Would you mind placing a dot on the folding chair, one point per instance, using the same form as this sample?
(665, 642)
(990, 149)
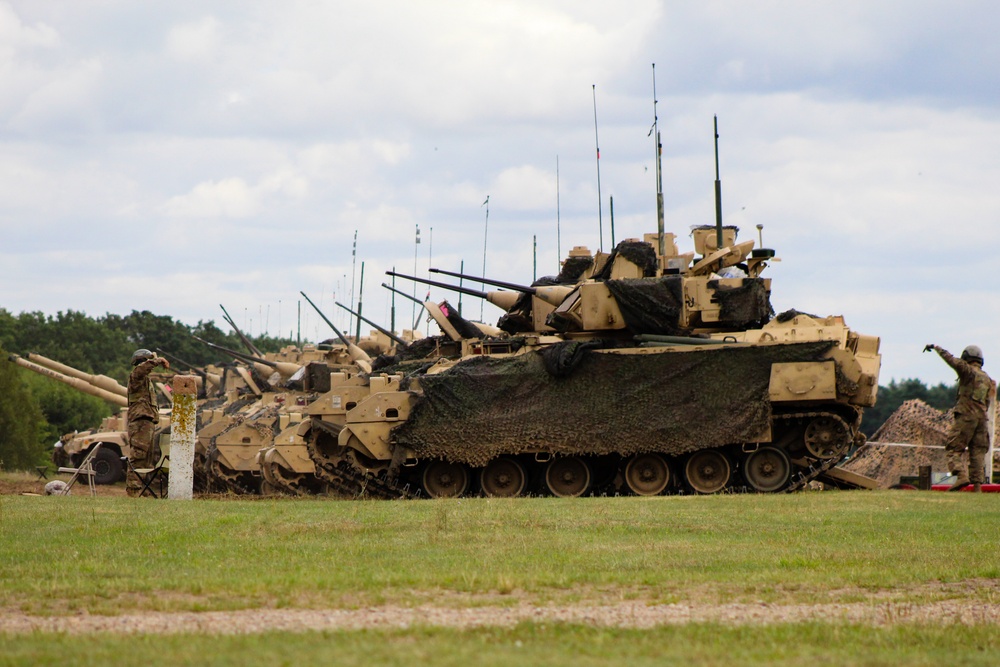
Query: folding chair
(155, 474)
(86, 469)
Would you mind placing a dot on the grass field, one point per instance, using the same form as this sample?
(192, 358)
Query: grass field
(81, 555)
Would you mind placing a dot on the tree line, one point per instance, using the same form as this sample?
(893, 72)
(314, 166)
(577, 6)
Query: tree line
(35, 411)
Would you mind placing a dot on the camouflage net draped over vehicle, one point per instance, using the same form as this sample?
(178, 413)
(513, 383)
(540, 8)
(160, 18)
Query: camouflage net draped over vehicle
(654, 306)
(672, 402)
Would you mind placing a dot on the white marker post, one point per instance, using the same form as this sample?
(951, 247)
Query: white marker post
(180, 485)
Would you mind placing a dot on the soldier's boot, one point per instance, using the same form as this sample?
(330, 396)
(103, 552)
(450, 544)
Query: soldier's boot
(977, 488)
(961, 482)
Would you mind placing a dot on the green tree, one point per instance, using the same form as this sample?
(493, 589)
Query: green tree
(21, 421)
(65, 408)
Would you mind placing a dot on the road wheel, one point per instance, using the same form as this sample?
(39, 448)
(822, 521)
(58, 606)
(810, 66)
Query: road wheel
(503, 478)
(708, 471)
(443, 479)
(767, 469)
(567, 477)
(647, 474)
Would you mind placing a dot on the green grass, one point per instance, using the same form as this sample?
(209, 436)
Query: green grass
(531, 644)
(108, 555)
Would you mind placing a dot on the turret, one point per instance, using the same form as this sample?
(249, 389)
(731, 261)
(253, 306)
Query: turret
(76, 383)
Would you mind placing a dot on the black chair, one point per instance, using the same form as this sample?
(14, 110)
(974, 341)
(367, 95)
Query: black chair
(149, 476)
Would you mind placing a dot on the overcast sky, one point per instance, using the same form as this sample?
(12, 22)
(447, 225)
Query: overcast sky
(172, 156)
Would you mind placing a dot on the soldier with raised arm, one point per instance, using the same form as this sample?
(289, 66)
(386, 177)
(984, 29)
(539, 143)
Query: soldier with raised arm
(976, 390)
(143, 415)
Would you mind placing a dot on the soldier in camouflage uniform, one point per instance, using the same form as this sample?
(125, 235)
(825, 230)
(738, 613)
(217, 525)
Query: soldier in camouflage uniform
(976, 390)
(143, 415)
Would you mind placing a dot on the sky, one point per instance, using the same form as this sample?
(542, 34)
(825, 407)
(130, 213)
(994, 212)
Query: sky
(175, 156)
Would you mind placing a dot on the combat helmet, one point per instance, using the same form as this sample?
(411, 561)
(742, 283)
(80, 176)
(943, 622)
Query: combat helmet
(142, 355)
(973, 353)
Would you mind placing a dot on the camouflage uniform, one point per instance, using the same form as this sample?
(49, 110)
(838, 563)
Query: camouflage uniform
(969, 431)
(143, 417)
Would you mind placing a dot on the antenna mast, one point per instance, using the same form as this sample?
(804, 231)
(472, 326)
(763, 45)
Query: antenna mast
(718, 191)
(659, 173)
(600, 221)
(558, 229)
(486, 231)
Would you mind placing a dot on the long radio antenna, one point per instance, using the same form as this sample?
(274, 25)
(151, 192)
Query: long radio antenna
(600, 221)
(659, 173)
(486, 231)
(558, 228)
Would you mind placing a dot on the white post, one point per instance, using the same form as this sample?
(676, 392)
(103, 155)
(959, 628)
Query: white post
(180, 485)
(991, 415)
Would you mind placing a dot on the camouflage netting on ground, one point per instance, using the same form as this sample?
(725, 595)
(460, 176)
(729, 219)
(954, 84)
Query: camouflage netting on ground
(913, 423)
(672, 402)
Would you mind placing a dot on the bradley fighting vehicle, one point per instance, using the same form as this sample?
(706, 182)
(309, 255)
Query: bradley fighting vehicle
(654, 371)
(346, 471)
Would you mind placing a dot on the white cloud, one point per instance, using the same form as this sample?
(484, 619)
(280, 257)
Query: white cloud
(228, 197)
(195, 41)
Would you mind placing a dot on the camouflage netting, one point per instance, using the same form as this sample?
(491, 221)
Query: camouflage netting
(747, 306)
(672, 402)
(650, 306)
(639, 253)
(572, 269)
(791, 314)
(418, 350)
(914, 423)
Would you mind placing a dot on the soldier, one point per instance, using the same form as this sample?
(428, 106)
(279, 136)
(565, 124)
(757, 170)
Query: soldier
(976, 390)
(143, 415)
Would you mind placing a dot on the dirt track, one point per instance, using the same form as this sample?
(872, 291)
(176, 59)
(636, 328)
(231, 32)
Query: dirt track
(627, 615)
(967, 602)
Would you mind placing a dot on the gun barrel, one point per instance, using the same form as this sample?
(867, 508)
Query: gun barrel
(487, 281)
(434, 283)
(100, 381)
(402, 293)
(359, 356)
(76, 383)
(369, 322)
(246, 341)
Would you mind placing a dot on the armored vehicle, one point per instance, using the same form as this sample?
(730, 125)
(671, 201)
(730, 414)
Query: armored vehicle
(655, 371)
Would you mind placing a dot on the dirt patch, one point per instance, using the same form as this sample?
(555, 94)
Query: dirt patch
(18, 483)
(968, 603)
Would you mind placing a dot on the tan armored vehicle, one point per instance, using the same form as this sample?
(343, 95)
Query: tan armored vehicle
(657, 372)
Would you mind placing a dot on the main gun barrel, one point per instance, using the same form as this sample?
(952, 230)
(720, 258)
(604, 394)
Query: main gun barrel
(370, 323)
(99, 381)
(552, 294)
(504, 300)
(358, 356)
(76, 383)
(486, 281)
